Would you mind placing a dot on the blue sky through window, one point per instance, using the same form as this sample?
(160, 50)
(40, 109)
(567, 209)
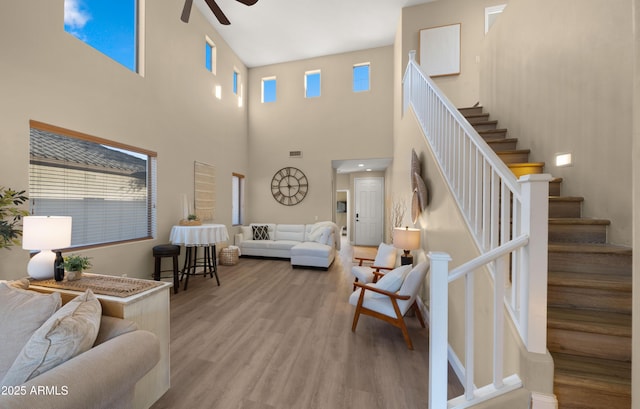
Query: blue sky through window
(107, 26)
(269, 90)
(361, 78)
(208, 55)
(312, 84)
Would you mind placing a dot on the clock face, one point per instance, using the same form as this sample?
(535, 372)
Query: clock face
(289, 186)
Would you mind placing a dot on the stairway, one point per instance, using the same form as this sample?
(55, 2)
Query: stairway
(589, 290)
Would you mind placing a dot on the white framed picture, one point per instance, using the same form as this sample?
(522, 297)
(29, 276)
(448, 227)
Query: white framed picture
(440, 50)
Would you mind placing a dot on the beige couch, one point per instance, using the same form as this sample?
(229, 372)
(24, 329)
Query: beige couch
(104, 376)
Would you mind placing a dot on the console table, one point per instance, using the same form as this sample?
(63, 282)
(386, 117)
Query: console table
(150, 310)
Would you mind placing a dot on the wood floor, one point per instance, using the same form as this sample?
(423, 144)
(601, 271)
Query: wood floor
(275, 337)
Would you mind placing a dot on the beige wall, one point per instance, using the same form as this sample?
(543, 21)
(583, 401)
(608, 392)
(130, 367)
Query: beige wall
(558, 75)
(50, 76)
(340, 124)
(463, 89)
(635, 376)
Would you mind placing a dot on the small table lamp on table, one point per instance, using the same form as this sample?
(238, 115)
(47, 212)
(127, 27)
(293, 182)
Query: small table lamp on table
(406, 239)
(45, 233)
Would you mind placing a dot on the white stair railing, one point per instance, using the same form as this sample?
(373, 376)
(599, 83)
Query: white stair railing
(508, 219)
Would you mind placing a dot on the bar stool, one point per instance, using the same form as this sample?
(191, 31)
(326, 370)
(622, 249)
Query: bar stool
(166, 250)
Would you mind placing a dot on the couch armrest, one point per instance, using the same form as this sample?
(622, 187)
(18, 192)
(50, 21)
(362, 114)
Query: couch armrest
(238, 238)
(103, 377)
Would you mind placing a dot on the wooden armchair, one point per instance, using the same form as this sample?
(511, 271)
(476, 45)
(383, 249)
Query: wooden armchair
(385, 260)
(391, 297)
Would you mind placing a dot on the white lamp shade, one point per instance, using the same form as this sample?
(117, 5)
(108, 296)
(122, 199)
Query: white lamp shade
(46, 232)
(406, 238)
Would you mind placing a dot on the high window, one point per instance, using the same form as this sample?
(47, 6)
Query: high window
(110, 27)
(210, 55)
(312, 84)
(237, 197)
(236, 82)
(107, 188)
(361, 79)
(269, 89)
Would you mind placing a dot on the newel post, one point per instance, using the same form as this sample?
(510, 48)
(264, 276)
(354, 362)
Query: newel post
(535, 223)
(438, 328)
(408, 75)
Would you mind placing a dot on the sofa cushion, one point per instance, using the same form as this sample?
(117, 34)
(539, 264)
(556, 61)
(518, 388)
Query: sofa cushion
(71, 331)
(22, 312)
(282, 244)
(292, 232)
(391, 281)
(260, 232)
(310, 248)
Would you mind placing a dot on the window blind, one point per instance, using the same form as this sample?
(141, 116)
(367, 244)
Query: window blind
(107, 188)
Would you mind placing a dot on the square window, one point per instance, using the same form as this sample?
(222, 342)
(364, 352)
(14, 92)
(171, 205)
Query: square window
(312, 84)
(269, 89)
(110, 27)
(361, 77)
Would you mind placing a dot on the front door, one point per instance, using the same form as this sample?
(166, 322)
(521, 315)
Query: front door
(369, 206)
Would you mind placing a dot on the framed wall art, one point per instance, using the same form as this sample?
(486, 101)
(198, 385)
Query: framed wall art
(440, 50)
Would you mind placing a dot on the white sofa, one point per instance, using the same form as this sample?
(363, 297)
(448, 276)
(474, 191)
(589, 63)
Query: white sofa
(306, 245)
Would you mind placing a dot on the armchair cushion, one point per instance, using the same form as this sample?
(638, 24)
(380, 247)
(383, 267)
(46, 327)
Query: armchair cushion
(71, 331)
(391, 281)
(386, 256)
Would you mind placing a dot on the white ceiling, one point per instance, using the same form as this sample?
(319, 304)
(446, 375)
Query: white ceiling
(274, 31)
(361, 165)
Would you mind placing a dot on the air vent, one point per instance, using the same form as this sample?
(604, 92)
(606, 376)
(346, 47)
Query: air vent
(295, 154)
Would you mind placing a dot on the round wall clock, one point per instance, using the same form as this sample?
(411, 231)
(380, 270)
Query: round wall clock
(289, 186)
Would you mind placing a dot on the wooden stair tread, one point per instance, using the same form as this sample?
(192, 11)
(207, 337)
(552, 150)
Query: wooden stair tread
(566, 198)
(611, 282)
(589, 248)
(597, 322)
(514, 151)
(578, 221)
(526, 164)
(604, 375)
(490, 131)
(500, 140)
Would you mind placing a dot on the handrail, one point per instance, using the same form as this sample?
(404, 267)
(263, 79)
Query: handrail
(508, 220)
(488, 257)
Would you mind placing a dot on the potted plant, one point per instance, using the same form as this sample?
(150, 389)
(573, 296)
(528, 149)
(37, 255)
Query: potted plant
(74, 265)
(10, 216)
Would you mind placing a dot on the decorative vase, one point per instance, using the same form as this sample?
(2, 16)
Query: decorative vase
(74, 275)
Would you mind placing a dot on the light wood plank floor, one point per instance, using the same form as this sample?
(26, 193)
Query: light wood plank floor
(275, 337)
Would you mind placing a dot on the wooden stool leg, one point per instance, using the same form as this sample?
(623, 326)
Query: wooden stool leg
(156, 270)
(176, 281)
(192, 252)
(215, 263)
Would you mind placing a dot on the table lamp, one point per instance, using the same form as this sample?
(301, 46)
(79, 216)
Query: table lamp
(406, 239)
(45, 233)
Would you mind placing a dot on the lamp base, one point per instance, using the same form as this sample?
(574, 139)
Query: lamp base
(40, 266)
(406, 260)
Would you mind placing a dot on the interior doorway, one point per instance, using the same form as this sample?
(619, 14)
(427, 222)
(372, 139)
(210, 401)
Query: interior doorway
(369, 211)
(342, 212)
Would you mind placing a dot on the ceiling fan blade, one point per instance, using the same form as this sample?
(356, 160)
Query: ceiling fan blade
(217, 11)
(186, 11)
(248, 2)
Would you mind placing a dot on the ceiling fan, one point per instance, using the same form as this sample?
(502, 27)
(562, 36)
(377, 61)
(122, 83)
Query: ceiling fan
(217, 11)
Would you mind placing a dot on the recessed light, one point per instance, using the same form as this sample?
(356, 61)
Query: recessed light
(368, 170)
(360, 165)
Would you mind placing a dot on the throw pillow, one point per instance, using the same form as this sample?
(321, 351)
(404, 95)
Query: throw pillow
(260, 232)
(71, 331)
(22, 312)
(391, 281)
(386, 256)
